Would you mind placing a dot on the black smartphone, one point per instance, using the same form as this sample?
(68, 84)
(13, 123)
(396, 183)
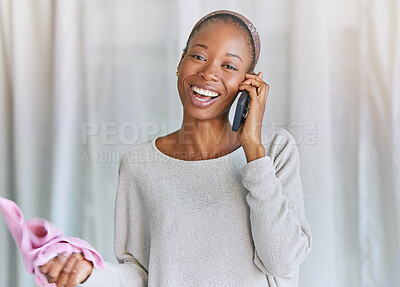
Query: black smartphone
(242, 109)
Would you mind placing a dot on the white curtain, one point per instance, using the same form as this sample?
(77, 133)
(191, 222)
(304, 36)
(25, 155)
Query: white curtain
(82, 81)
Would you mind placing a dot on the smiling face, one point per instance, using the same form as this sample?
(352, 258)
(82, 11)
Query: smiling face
(217, 59)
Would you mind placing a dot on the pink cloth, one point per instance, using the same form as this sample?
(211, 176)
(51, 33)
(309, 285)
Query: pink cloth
(39, 241)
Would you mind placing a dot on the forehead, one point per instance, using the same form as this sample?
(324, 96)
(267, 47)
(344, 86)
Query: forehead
(225, 29)
(224, 35)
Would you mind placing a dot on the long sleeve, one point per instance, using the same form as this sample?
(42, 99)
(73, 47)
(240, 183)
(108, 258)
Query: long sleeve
(118, 275)
(129, 272)
(218, 222)
(279, 228)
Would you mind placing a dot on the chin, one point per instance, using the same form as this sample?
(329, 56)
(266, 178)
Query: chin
(197, 114)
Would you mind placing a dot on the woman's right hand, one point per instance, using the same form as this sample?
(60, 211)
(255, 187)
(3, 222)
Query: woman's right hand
(67, 271)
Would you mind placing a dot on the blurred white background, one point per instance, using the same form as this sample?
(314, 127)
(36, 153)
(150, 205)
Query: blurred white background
(82, 81)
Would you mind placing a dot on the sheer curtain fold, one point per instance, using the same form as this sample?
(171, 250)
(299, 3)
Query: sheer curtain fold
(82, 81)
(377, 190)
(310, 111)
(69, 108)
(7, 247)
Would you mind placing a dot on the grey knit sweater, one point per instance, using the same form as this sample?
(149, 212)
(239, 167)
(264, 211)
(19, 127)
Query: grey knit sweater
(217, 222)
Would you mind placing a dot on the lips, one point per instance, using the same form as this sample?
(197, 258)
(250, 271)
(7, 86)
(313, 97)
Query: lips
(201, 100)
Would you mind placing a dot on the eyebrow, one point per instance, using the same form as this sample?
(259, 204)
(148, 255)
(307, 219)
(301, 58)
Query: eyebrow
(227, 54)
(233, 55)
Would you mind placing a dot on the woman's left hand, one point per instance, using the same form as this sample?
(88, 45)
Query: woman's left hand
(249, 134)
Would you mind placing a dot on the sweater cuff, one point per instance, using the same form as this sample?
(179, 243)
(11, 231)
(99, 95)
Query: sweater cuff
(93, 278)
(99, 277)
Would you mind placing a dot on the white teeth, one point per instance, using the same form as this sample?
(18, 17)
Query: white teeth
(207, 93)
(201, 100)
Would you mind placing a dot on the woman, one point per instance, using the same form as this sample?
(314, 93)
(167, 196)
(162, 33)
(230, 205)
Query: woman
(205, 206)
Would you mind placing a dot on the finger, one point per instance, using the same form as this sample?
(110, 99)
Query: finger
(260, 86)
(264, 92)
(67, 270)
(260, 76)
(260, 89)
(251, 89)
(254, 76)
(254, 82)
(81, 272)
(79, 256)
(46, 267)
(55, 270)
(257, 82)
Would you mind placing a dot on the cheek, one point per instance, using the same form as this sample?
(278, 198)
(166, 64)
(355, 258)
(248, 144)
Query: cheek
(184, 72)
(185, 65)
(233, 84)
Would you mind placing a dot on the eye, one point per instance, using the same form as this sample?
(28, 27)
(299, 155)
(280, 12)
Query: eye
(229, 67)
(197, 57)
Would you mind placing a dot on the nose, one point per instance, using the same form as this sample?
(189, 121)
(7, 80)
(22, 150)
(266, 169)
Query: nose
(209, 72)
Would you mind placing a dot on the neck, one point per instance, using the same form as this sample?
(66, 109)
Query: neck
(211, 137)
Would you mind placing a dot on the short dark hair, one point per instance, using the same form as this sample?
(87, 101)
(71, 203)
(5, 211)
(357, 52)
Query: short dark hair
(227, 18)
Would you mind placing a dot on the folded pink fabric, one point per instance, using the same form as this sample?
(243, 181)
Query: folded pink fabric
(39, 241)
